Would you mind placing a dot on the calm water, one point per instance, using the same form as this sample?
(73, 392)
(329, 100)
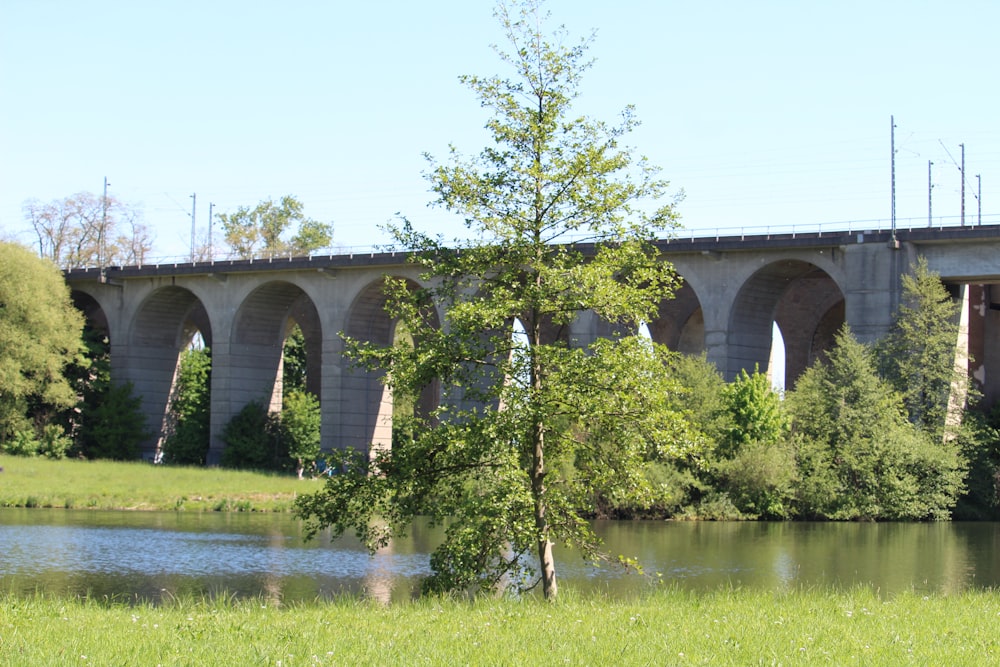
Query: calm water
(130, 555)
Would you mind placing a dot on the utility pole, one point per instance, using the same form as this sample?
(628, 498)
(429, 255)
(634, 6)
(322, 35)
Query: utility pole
(979, 201)
(102, 233)
(963, 183)
(892, 146)
(194, 203)
(211, 221)
(930, 187)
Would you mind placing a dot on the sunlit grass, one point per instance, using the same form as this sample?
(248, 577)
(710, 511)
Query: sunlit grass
(728, 627)
(75, 484)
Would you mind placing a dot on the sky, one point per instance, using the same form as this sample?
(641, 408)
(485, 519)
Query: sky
(767, 114)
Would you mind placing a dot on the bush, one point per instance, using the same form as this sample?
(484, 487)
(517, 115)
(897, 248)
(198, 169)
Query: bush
(115, 427)
(253, 440)
(760, 479)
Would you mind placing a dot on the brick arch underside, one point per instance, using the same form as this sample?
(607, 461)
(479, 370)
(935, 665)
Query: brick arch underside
(809, 315)
(680, 324)
(366, 411)
(164, 325)
(807, 305)
(262, 323)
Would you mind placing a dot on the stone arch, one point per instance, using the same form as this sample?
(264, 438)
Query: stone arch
(93, 313)
(680, 324)
(805, 302)
(366, 422)
(163, 325)
(262, 322)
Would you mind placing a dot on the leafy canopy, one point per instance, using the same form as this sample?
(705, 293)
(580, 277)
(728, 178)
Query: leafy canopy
(525, 428)
(262, 231)
(40, 335)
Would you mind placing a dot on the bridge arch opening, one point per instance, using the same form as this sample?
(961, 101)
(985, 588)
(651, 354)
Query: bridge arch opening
(168, 322)
(680, 323)
(276, 345)
(802, 301)
(368, 407)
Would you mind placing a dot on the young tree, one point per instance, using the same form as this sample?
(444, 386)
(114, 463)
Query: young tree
(261, 231)
(300, 428)
(40, 335)
(190, 409)
(560, 223)
(918, 355)
(115, 427)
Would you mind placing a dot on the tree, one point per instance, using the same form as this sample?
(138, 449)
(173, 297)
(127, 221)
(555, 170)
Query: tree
(253, 440)
(87, 230)
(859, 456)
(115, 427)
(755, 410)
(188, 443)
(756, 467)
(918, 355)
(300, 428)
(40, 335)
(561, 221)
(261, 231)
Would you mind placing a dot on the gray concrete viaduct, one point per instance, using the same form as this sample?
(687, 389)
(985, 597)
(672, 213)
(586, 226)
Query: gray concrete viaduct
(735, 289)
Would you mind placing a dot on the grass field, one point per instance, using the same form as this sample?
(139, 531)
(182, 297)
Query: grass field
(731, 627)
(666, 627)
(75, 484)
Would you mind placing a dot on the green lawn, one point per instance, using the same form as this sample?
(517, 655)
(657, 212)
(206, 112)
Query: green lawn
(731, 627)
(75, 484)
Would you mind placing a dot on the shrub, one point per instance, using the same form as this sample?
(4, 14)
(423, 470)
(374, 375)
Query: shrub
(115, 427)
(253, 440)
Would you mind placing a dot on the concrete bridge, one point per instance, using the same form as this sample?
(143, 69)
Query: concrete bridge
(735, 290)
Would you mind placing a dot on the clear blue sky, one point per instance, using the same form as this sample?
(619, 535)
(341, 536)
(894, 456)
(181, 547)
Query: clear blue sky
(765, 113)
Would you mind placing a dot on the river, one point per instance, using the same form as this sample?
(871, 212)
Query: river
(158, 555)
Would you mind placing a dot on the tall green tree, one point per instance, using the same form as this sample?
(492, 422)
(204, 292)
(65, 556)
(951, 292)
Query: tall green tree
(301, 420)
(40, 335)
(263, 231)
(918, 355)
(561, 219)
(191, 408)
(859, 456)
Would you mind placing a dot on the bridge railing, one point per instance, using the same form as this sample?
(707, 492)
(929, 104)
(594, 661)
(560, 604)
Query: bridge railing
(681, 235)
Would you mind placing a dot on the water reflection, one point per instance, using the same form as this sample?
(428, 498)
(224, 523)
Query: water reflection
(130, 555)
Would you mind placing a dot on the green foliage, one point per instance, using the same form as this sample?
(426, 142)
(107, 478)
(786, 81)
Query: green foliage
(189, 441)
(294, 360)
(526, 431)
(300, 428)
(115, 427)
(40, 334)
(253, 440)
(755, 412)
(262, 231)
(979, 441)
(859, 456)
(918, 355)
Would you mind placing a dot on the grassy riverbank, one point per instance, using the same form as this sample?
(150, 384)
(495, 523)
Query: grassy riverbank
(75, 484)
(730, 627)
